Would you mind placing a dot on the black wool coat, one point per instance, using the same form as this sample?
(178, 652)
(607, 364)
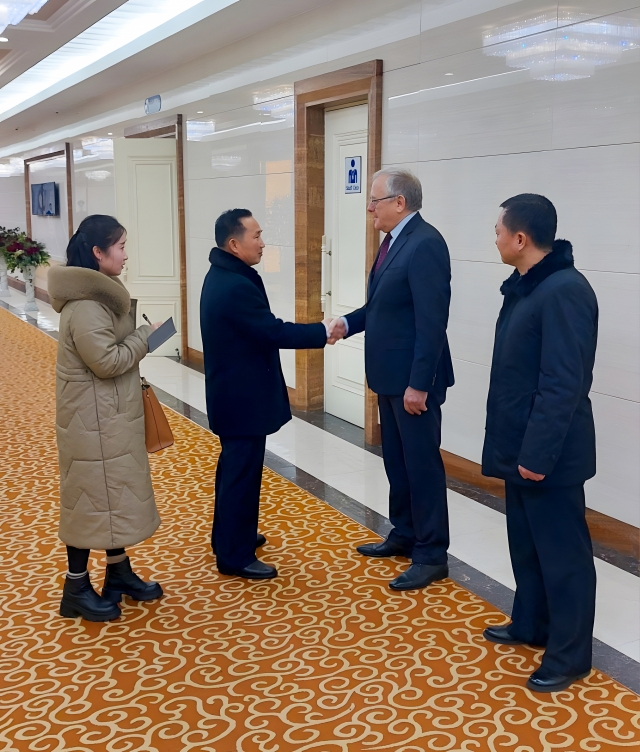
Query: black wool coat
(241, 338)
(406, 315)
(538, 410)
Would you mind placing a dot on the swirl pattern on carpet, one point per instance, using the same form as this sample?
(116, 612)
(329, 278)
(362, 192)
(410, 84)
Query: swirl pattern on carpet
(325, 658)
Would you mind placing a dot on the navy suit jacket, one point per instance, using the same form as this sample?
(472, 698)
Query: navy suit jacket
(241, 338)
(406, 314)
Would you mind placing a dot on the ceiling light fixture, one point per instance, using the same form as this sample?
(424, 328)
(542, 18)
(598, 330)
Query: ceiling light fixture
(564, 53)
(109, 134)
(200, 112)
(14, 11)
(448, 74)
(134, 26)
(3, 39)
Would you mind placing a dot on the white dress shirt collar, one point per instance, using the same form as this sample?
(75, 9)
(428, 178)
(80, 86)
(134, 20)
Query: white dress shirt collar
(400, 227)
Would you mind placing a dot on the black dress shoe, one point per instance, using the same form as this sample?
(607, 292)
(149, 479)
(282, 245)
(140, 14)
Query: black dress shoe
(258, 570)
(419, 576)
(546, 681)
(80, 599)
(501, 635)
(386, 548)
(260, 541)
(121, 580)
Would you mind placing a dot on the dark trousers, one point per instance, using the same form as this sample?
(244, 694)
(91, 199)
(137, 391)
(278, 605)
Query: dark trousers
(552, 561)
(235, 519)
(418, 487)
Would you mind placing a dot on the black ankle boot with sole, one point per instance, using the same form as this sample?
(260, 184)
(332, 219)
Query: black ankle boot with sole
(80, 599)
(121, 580)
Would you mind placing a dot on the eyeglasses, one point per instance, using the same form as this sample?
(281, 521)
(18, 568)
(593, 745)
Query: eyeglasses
(375, 201)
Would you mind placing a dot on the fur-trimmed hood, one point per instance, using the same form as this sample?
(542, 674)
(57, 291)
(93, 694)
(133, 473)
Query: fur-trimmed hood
(560, 257)
(66, 283)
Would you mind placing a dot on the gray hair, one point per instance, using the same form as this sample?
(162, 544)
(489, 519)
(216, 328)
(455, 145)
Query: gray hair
(403, 183)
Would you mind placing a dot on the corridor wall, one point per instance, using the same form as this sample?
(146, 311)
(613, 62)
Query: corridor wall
(476, 131)
(12, 205)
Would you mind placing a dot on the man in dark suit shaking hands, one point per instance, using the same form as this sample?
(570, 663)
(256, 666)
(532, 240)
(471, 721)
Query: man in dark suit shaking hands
(246, 393)
(408, 365)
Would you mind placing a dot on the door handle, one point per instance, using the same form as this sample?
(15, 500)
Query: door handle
(325, 280)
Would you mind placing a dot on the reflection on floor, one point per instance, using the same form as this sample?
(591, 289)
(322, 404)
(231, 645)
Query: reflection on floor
(478, 534)
(325, 657)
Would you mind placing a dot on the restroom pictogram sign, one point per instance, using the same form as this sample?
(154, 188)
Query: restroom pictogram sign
(352, 172)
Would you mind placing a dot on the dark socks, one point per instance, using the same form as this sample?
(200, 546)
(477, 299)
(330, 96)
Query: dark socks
(79, 558)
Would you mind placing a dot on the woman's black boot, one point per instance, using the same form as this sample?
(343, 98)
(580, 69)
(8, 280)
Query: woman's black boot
(122, 580)
(80, 599)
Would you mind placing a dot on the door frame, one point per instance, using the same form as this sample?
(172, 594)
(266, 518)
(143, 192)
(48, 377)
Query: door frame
(67, 153)
(354, 85)
(172, 126)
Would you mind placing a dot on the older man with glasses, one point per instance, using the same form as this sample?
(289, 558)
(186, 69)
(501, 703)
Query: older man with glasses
(408, 365)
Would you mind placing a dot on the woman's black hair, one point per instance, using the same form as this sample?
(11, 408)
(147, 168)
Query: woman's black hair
(97, 230)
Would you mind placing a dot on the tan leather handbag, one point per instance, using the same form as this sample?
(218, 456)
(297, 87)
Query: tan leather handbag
(157, 432)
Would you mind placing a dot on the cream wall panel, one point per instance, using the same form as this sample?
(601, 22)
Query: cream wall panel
(464, 412)
(596, 192)
(12, 206)
(453, 27)
(277, 269)
(357, 28)
(617, 371)
(602, 109)
(288, 361)
(615, 490)
(248, 143)
(94, 190)
(269, 197)
(400, 124)
(462, 197)
(475, 304)
(155, 214)
(210, 197)
(198, 250)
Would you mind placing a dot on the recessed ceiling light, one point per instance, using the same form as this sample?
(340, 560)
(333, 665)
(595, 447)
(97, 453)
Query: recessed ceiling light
(200, 112)
(3, 39)
(109, 134)
(448, 74)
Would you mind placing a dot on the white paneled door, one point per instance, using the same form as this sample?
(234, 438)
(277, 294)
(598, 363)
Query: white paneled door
(146, 204)
(344, 255)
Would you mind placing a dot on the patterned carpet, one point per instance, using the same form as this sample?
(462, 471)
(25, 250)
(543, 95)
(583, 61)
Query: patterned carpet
(325, 658)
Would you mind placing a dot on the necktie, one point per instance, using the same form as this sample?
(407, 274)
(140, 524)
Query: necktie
(382, 253)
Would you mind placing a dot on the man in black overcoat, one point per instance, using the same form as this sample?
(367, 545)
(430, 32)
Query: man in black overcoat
(408, 365)
(246, 393)
(540, 438)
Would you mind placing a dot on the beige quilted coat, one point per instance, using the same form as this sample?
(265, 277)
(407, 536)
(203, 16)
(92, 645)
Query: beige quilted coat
(106, 496)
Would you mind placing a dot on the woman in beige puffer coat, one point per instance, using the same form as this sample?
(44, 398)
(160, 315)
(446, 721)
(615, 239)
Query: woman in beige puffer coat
(106, 496)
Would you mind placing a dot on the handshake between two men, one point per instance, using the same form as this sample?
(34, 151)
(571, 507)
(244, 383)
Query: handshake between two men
(415, 401)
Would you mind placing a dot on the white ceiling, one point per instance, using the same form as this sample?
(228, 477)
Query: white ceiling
(125, 85)
(134, 26)
(55, 24)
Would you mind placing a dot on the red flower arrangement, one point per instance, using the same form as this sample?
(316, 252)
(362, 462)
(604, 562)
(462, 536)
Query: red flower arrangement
(21, 251)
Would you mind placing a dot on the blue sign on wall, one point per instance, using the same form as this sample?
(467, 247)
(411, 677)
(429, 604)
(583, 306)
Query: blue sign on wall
(352, 172)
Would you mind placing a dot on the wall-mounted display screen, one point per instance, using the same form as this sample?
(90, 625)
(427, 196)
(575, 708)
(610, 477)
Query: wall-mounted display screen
(44, 200)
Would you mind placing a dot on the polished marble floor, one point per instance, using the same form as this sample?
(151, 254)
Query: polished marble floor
(478, 533)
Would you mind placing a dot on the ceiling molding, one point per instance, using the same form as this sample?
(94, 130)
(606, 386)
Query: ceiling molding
(69, 10)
